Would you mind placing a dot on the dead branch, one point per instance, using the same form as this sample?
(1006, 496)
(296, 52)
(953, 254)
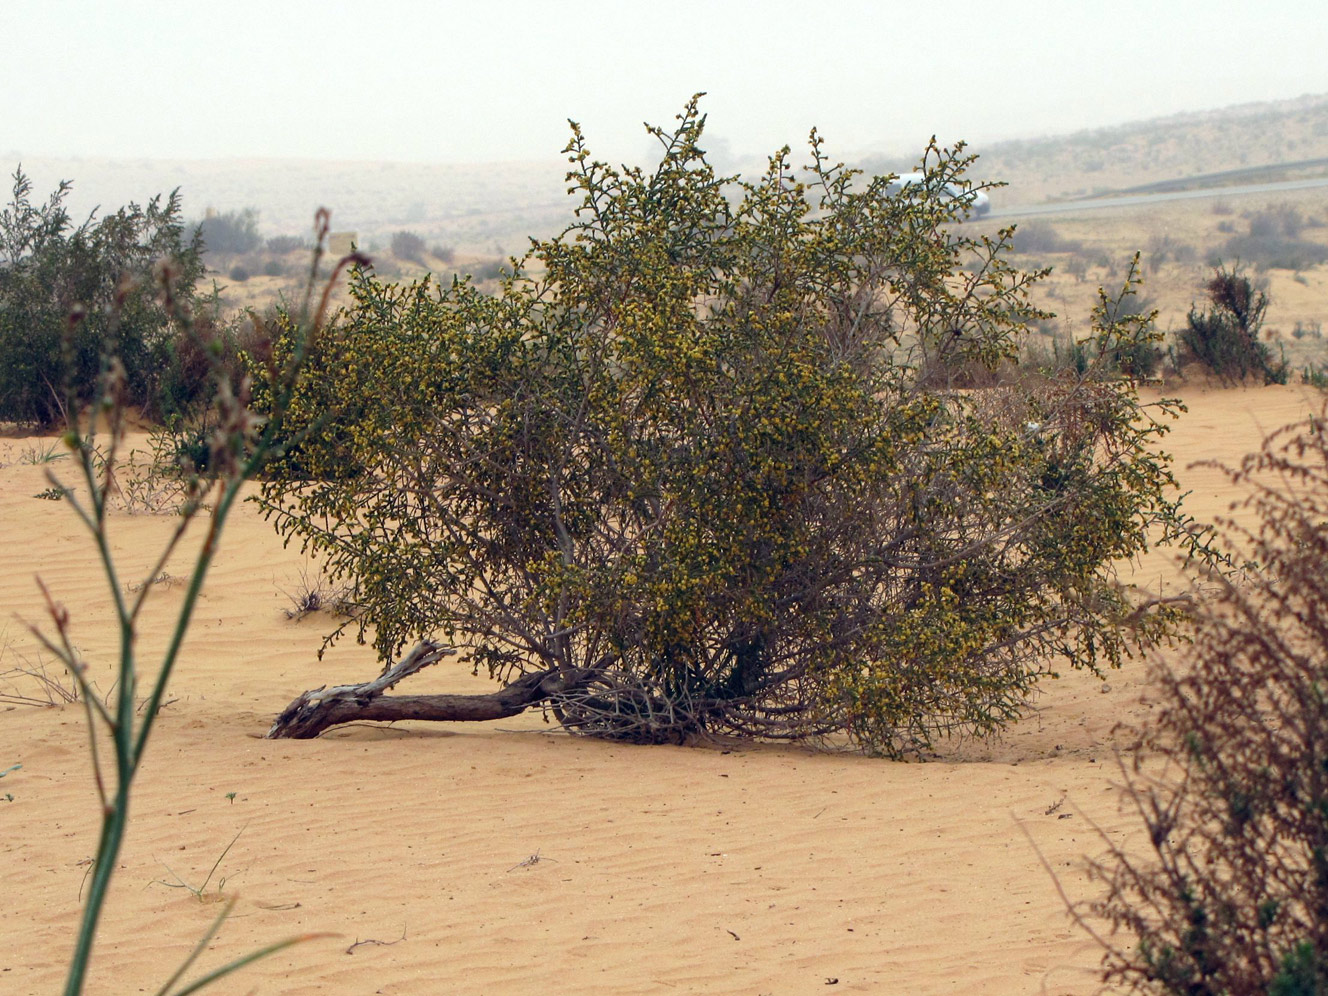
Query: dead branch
(314, 711)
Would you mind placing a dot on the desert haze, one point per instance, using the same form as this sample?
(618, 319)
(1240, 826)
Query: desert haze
(511, 859)
(514, 858)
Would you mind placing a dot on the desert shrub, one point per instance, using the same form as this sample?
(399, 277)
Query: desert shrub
(1230, 781)
(1273, 241)
(283, 244)
(1077, 267)
(1139, 360)
(238, 273)
(1038, 237)
(231, 232)
(213, 350)
(72, 296)
(185, 380)
(1307, 330)
(444, 254)
(1274, 252)
(1071, 354)
(1281, 220)
(408, 246)
(689, 469)
(273, 268)
(1137, 357)
(1056, 353)
(1225, 337)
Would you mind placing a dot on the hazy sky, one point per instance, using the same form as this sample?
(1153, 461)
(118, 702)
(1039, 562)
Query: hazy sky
(498, 79)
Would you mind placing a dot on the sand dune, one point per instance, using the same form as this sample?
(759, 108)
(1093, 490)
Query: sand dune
(505, 859)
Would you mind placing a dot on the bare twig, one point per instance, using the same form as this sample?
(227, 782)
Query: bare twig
(383, 944)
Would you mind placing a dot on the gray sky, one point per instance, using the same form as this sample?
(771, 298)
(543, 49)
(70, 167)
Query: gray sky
(486, 80)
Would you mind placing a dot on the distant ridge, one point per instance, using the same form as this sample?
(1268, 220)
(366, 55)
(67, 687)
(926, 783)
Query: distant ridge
(485, 209)
(491, 209)
(1146, 152)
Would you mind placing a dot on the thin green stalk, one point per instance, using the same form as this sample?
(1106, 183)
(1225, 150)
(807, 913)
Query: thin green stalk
(198, 949)
(130, 742)
(114, 819)
(249, 959)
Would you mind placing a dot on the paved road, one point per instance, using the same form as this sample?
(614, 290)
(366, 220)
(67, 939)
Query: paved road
(1138, 200)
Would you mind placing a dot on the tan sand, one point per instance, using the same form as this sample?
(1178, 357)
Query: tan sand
(500, 859)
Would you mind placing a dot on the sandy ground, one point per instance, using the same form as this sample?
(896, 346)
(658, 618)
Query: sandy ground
(504, 859)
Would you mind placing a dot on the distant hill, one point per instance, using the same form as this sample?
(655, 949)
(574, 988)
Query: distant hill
(478, 209)
(486, 210)
(1101, 159)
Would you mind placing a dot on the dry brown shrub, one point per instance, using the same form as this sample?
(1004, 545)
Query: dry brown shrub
(1231, 778)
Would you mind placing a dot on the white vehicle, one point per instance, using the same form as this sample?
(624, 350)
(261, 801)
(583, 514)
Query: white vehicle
(977, 200)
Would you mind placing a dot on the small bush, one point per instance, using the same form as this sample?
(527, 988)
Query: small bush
(1314, 376)
(1281, 220)
(238, 273)
(283, 244)
(444, 254)
(1225, 338)
(1136, 357)
(231, 231)
(1077, 267)
(273, 268)
(408, 246)
(70, 297)
(1036, 237)
(315, 593)
(1137, 360)
(1231, 783)
(1273, 240)
(1276, 252)
(1311, 330)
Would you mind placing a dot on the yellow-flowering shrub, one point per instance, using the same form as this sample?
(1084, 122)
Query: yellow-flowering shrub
(703, 456)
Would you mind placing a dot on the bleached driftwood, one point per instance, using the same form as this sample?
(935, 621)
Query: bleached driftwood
(314, 711)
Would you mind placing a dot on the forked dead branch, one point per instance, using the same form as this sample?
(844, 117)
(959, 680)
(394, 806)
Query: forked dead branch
(1228, 890)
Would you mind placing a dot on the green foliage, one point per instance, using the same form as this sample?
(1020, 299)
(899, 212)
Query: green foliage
(1225, 338)
(1302, 973)
(1137, 355)
(1230, 781)
(231, 231)
(701, 456)
(1131, 352)
(70, 296)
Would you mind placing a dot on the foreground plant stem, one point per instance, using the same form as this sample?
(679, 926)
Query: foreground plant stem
(242, 444)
